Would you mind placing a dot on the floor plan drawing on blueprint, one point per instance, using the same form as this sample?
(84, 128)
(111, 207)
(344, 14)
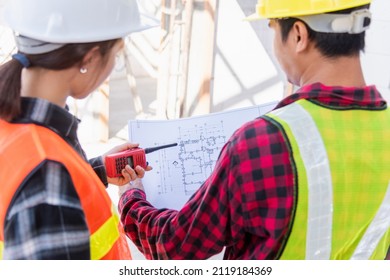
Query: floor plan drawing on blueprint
(179, 171)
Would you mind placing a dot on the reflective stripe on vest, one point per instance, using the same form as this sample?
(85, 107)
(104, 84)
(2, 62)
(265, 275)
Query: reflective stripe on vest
(375, 231)
(315, 207)
(1, 249)
(315, 159)
(103, 238)
(26, 146)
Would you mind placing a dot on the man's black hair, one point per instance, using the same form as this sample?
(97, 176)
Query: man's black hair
(330, 44)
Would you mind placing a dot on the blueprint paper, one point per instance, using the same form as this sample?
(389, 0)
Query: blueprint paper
(179, 171)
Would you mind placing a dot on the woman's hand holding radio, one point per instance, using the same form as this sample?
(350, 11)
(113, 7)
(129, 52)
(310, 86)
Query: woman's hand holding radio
(128, 174)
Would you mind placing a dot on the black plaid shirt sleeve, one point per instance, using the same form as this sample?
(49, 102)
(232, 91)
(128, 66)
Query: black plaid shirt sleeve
(99, 168)
(46, 220)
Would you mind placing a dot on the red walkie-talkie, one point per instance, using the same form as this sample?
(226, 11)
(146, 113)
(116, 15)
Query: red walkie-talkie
(115, 163)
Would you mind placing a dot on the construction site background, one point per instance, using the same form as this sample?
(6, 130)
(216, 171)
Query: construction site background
(202, 58)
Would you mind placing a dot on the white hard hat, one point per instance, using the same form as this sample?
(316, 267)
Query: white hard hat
(74, 21)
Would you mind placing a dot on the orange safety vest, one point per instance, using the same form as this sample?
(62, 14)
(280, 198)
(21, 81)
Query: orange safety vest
(23, 147)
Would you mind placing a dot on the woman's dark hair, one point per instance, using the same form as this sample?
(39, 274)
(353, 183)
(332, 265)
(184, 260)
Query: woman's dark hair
(330, 44)
(65, 57)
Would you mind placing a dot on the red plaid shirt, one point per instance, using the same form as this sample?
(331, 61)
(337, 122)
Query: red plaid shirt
(246, 205)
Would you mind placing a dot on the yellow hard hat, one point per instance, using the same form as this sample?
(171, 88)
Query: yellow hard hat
(291, 8)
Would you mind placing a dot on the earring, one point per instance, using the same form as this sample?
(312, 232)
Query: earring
(83, 70)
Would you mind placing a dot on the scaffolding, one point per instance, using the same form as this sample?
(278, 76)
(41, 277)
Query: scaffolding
(183, 22)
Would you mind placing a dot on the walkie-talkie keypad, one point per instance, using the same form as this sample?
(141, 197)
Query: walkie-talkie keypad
(120, 164)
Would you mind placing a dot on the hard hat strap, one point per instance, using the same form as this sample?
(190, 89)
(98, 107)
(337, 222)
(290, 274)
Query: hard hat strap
(33, 46)
(353, 23)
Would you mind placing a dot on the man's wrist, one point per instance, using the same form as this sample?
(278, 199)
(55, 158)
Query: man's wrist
(136, 184)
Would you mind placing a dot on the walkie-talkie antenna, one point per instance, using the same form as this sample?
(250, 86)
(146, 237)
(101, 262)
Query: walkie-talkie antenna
(149, 150)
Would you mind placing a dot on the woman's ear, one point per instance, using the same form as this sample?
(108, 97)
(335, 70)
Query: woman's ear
(300, 36)
(90, 58)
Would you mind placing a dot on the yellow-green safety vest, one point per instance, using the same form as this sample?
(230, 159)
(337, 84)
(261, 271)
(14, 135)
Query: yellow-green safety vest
(342, 167)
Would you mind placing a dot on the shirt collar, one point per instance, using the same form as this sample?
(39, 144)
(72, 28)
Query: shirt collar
(45, 113)
(337, 97)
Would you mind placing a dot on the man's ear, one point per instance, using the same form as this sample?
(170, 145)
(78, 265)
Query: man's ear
(300, 36)
(91, 57)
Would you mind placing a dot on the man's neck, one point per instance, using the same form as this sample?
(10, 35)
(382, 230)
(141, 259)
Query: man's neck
(343, 71)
